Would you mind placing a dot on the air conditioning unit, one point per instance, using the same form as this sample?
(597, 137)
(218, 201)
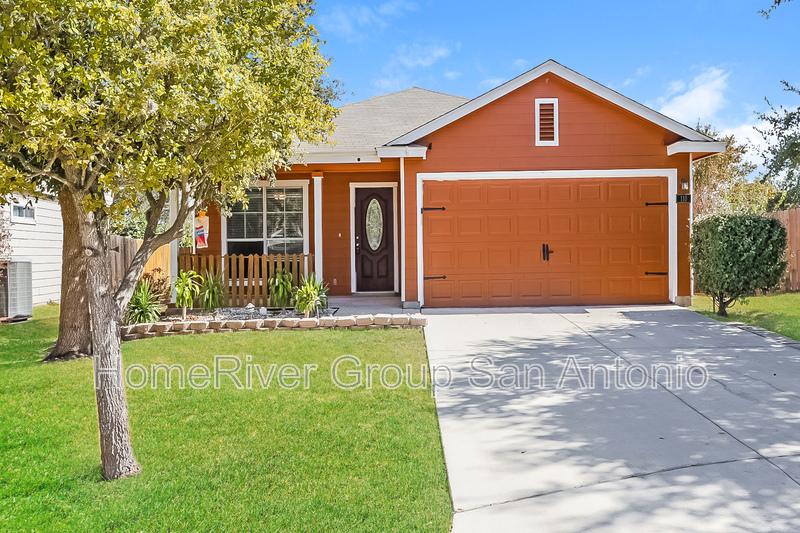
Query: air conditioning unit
(16, 290)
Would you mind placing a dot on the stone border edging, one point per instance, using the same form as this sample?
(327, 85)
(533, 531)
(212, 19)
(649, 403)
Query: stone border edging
(169, 328)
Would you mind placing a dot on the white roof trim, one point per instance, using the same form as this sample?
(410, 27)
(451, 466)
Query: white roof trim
(567, 74)
(688, 147)
(337, 157)
(402, 151)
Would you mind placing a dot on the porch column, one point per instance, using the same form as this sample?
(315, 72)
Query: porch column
(173, 245)
(317, 176)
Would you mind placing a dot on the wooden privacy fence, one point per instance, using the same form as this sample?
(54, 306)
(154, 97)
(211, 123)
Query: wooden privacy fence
(246, 276)
(791, 220)
(122, 251)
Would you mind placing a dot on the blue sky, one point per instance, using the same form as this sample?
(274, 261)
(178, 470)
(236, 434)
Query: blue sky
(714, 61)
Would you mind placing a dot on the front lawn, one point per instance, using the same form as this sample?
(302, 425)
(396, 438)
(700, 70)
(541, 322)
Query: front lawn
(322, 459)
(779, 312)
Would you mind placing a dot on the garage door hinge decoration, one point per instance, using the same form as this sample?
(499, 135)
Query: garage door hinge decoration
(656, 273)
(423, 209)
(656, 203)
(427, 278)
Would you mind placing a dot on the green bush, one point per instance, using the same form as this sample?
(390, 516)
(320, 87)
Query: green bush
(187, 287)
(280, 288)
(143, 306)
(733, 256)
(311, 295)
(212, 291)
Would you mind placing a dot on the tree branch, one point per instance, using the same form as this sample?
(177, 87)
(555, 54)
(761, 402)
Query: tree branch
(32, 170)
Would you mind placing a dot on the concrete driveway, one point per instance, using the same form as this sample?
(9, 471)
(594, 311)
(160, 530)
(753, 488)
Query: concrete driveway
(627, 452)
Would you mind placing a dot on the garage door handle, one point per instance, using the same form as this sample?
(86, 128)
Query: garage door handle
(546, 251)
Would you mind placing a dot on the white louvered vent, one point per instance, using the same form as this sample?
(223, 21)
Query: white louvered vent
(547, 122)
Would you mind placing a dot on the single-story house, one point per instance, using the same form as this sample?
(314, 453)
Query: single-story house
(37, 236)
(550, 189)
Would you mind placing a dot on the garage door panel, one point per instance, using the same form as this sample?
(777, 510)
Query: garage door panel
(469, 194)
(442, 227)
(530, 225)
(501, 289)
(561, 192)
(488, 242)
(500, 225)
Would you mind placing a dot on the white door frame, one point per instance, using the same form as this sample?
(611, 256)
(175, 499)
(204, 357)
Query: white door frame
(672, 190)
(372, 185)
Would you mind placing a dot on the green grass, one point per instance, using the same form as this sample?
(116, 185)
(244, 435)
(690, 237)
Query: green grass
(323, 459)
(779, 312)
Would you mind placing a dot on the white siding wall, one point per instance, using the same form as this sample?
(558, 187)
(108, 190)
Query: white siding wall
(41, 243)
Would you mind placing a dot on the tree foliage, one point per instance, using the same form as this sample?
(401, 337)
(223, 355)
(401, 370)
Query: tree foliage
(733, 256)
(782, 154)
(773, 7)
(104, 102)
(722, 184)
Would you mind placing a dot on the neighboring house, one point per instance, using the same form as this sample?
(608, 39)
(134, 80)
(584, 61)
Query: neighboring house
(36, 235)
(548, 190)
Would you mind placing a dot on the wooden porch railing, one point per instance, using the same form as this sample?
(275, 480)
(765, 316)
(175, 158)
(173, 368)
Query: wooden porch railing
(247, 276)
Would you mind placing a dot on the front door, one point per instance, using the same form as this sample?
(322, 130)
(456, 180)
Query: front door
(374, 239)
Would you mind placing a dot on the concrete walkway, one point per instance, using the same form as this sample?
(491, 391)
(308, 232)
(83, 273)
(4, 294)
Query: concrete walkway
(530, 455)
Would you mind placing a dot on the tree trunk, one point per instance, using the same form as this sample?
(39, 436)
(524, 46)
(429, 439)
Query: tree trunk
(74, 332)
(116, 450)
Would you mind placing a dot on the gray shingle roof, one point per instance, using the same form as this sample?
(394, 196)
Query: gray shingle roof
(374, 122)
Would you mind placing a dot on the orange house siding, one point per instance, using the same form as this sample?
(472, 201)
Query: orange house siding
(593, 135)
(336, 237)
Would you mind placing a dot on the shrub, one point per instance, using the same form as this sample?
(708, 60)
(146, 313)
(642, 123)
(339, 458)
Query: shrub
(187, 287)
(280, 288)
(311, 295)
(733, 256)
(212, 291)
(143, 306)
(159, 283)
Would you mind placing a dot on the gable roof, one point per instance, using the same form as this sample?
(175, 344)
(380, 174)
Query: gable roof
(553, 67)
(366, 125)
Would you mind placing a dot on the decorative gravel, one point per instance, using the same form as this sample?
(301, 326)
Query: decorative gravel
(248, 313)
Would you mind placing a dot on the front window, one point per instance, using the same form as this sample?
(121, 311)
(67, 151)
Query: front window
(273, 222)
(23, 212)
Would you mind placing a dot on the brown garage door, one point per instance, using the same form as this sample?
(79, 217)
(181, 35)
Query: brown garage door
(486, 248)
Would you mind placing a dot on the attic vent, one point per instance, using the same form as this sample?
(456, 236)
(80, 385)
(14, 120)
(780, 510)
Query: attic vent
(547, 122)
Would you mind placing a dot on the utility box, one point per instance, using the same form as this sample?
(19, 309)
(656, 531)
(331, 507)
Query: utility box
(16, 290)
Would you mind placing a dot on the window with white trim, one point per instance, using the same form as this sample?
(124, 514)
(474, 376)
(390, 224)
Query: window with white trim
(273, 222)
(547, 122)
(22, 211)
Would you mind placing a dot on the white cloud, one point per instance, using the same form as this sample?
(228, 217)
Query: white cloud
(351, 21)
(452, 75)
(408, 57)
(747, 134)
(395, 8)
(641, 72)
(422, 55)
(699, 99)
(491, 83)
(520, 64)
(392, 81)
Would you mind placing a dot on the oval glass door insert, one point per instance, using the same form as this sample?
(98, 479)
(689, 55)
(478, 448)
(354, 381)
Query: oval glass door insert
(374, 224)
